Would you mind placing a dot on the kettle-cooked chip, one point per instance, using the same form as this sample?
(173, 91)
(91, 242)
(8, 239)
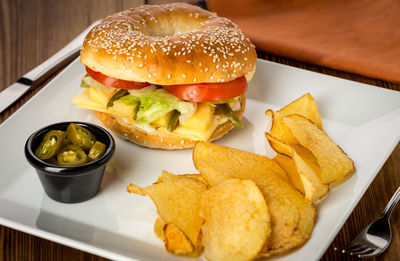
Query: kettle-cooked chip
(168, 176)
(292, 217)
(287, 163)
(301, 167)
(279, 128)
(236, 221)
(332, 160)
(207, 156)
(176, 241)
(305, 106)
(177, 202)
(159, 226)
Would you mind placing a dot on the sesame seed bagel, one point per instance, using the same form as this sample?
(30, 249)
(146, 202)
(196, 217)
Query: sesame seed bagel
(168, 45)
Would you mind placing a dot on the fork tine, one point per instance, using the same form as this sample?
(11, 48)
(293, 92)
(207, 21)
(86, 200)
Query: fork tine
(370, 254)
(355, 251)
(350, 247)
(361, 251)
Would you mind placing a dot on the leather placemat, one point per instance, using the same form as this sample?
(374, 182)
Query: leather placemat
(358, 36)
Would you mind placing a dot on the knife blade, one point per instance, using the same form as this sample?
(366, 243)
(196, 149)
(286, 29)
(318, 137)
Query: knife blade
(43, 71)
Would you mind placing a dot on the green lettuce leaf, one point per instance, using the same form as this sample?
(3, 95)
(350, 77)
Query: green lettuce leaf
(142, 91)
(155, 104)
(130, 99)
(233, 100)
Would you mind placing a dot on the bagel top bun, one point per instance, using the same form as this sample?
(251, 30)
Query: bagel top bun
(167, 45)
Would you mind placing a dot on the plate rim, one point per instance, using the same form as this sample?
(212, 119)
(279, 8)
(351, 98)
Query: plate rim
(64, 240)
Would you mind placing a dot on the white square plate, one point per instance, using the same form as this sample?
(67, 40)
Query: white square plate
(364, 120)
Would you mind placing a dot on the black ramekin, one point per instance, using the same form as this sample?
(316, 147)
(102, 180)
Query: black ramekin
(71, 184)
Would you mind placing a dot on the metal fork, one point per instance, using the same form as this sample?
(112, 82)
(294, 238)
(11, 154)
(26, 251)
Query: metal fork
(376, 237)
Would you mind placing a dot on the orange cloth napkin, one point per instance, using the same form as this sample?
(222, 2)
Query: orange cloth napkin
(358, 36)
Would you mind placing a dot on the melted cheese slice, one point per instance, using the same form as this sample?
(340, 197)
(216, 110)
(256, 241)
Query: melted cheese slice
(84, 100)
(196, 134)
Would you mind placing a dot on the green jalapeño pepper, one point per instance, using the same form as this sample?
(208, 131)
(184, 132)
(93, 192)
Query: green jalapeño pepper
(80, 136)
(71, 155)
(173, 120)
(52, 160)
(96, 151)
(231, 115)
(118, 95)
(66, 140)
(50, 145)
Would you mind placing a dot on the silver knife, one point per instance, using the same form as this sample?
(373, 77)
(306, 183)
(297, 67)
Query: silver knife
(43, 71)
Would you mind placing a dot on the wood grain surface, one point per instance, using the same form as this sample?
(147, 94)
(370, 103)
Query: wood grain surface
(32, 30)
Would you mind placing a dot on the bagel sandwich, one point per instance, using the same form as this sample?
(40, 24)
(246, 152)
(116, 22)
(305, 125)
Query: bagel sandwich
(166, 76)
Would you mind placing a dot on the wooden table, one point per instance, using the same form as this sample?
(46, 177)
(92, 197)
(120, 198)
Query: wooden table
(31, 31)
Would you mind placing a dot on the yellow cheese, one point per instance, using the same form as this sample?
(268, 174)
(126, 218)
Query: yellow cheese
(199, 126)
(100, 96)
(193, 133)
(83, 100)
(201, 119)
(163, 121)
(121, 108)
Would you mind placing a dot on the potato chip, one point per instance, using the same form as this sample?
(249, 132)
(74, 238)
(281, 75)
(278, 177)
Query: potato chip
(167, 176)
(301, 167)
(177, 202)
(305, 106)
(279, 128)
(279, 145)
(254, 163)
(333, 162)
(304, 176)
(292, 217)
(306, 155)
(236, 221)
(287, 163)
(159, 226)
(176, 241)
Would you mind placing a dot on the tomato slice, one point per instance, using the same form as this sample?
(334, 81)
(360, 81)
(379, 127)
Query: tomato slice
(113, 82)
(209, 92)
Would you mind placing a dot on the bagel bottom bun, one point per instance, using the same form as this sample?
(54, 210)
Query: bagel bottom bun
(158, 140)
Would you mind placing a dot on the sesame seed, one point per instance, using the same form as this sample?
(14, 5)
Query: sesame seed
(217, 38)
